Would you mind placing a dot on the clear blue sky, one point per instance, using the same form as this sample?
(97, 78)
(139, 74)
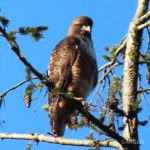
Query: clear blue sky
(111, 21)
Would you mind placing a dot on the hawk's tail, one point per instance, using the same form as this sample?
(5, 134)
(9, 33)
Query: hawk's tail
(60, 115)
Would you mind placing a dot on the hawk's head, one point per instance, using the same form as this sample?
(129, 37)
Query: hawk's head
(82, 26)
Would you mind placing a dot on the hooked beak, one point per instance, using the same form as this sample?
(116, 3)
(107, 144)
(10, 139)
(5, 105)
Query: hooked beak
(86, 28)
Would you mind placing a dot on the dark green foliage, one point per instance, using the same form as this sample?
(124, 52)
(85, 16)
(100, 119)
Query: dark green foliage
(11, 36)
(69, 95)
(29, 90)
(80, 124)
(135, 107)
(116, 86)
(106, 58)
(23, 31)
(90, 136)
(28, 73)
(106, 48)
(113, 49)
(112, 54)
(4, 20)
(56, 90)
(35, 32)
(31, 86)
(45, 107)
(40, 85)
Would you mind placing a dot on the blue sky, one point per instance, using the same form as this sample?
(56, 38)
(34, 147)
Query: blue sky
(111, 21)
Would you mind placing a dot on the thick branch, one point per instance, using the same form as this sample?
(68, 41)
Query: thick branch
(15, 48)
(103, 127)
(130, 75)
(58, 140)
(142, 9)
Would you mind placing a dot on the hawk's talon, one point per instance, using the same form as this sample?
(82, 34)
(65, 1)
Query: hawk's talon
(78, 98)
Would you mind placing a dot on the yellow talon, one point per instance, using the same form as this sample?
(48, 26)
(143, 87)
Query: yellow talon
(78, 98)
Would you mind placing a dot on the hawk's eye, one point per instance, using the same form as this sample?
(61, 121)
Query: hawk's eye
(80, 25)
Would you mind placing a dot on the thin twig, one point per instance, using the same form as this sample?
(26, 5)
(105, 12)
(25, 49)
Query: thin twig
(15, 48)
(108, 72)
(143, 90)
(122, 45)
(16, 86)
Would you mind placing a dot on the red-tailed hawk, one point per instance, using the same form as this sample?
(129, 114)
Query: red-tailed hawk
(72, 68)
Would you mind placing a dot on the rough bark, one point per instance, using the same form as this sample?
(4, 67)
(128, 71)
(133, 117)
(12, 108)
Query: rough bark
(58, 140)
(130, 75)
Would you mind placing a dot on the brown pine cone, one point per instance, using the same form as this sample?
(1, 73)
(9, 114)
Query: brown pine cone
(27, 100)
(148, 77)
(85, 120)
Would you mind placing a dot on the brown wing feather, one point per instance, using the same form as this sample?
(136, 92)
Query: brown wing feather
(61, 62)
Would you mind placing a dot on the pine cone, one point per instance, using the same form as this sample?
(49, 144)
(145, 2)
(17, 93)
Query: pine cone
(112, 102)
(74, 123)
(112, 127)
(148, 77)
(27, 100)
(85, 120)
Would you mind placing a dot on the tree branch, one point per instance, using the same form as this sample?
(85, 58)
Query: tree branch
(103, 127)
(15, 48)
(112, 67)
(16, 86)
(58, 140)
(145, 17)
(130, 76)
(143, 90)
(122, 45)
(142, 26)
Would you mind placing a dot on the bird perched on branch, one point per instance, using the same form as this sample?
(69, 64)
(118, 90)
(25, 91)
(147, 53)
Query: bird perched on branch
(72, 68)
